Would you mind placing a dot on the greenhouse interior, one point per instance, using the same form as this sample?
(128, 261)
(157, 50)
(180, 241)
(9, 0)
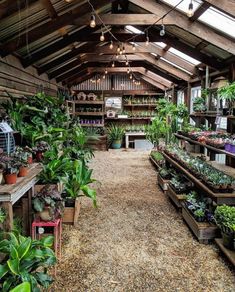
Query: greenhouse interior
(117, 145)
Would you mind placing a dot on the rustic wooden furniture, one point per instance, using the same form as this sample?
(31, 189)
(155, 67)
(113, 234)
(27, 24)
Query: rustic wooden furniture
(230, 254)
(10, 194)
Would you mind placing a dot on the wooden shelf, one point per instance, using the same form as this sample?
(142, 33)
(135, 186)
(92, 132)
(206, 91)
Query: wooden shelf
(163, 183)
(142, 105)
(217, 150)
(90, 102)
(89, 113)
(131, 118)
(92, 125)
(219, 198)
(230, 254)
(176, 198)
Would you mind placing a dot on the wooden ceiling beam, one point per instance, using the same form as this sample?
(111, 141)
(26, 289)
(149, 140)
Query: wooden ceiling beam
(200, 10)
(154, 83)
(49, 8)
(49, 27)
(80, 79)
(78, 75)
(9, 7)
(226, 6)
(181, 20)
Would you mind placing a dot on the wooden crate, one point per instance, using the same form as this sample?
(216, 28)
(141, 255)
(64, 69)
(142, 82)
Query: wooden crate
(100, 145)
(70, 215)
(163, 183)
(175, 198)
(230, 254)
(204, 231)
(155, 163)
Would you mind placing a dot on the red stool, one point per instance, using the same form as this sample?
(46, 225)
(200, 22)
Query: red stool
(57, 226)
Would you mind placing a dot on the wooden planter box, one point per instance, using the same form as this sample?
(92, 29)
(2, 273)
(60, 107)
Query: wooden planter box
(100, 145)
(70, 215)
(204, 231)
(230, 254)
(163, 183)
(155, 163)
(175, 198)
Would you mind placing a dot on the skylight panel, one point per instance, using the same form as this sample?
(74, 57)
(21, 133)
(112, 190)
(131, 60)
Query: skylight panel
(160, 44)
(173, 64)
(183, 6)
(219, 20)
(133, 29)
(184, 56)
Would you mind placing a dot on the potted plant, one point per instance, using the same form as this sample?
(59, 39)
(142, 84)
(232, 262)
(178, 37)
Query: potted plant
(199, 215)
(48, 203)
(40, 148)
(115, 135)
(225, 219)
(227, 93)
(10, 174)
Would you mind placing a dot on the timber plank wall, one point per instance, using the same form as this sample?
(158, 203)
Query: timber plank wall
(20, 82)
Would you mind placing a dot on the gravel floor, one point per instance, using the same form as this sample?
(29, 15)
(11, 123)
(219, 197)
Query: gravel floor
(135, 240)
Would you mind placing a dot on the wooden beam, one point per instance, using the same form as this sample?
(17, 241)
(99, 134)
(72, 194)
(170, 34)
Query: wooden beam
(226, 6)
(200, 10)
(80, 79)
(49, 8)
(49, 27)
(181, 20)
(78, 75)
(63, 69)
(154, 83)
(9, 7)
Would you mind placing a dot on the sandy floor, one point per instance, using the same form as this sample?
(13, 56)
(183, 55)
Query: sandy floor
(135, 240)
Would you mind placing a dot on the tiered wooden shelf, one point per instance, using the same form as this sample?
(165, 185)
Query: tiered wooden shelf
(230, 254)
(176, 198)
(219, 198)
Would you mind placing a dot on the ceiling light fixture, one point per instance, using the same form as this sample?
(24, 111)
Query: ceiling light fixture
(133, 47)
(102, 36)
(131, 76)
(92, 21)
(190, 11)
(111, 45)
(147, 39)
(128, 71)
(118, 49)
(113, 64)
(162, 31)
(106, 71)
(127, 63)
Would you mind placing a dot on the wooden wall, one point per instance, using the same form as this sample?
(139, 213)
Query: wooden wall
(19, 81)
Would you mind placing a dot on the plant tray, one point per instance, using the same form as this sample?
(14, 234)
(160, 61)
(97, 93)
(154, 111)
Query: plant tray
(230, 254)
(163, 183)
(204, 231)
(175, 198)
(155, 163)
(70, 215)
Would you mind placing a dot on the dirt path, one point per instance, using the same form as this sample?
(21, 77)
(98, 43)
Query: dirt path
(135, 240)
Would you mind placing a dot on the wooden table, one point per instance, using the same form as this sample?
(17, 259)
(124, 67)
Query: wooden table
(133, 134)
(10, 194)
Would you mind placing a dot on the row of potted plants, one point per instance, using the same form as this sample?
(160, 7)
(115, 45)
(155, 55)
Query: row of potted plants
(216, 179)
(140, 100)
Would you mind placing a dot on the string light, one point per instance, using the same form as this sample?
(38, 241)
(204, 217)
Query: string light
(127, 63)
(123, 49)
(92, 22)
(116, 56)
(106, 71)
(128, 71)
(102, 36)
(190, 11)
(111, 45)
(162, 31)
(133, 47)
(147, 39)
(131, 76)
(118, 49)
(103, 76)
(113, 64)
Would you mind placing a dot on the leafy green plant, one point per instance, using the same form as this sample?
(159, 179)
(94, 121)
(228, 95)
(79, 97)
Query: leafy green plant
(115, 133)
(23, 287)
(2, 215)
(79, 179)
(156, 131)
(24, 257)
(227, 93)
(199, 104)
(200, 213)
(225, 218)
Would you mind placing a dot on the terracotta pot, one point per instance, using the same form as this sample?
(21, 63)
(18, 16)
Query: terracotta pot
(10, 179)
(39, 156)
(23, 171)
(30, 160)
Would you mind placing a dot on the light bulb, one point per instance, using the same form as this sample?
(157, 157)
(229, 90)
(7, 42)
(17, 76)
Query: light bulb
(147, 41)
(133, 80)
(131, 76)
(190, 11)
(116, 56)
(92, 22)
(111, 45)
(133, 47)
(113, 65)
(127, 63)
(102, 37)
(118, 49)
(106, 71)
(103, 76)
(162, 31)
(123, 50)
(128, 71)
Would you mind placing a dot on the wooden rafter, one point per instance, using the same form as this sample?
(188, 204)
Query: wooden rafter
(200, 10)
(9, 7)
(49, 27)
(181, 20)
(49, 8)
(85, 76)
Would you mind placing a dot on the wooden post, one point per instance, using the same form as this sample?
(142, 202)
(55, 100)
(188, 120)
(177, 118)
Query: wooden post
(8, 224)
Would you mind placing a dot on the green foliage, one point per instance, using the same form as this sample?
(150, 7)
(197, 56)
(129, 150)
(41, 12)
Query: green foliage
(157, 156)
(24, 257)
(115, 133)
(225, 217)
(157, 130)
(79, 179)
(23, 287)
(2, 215)
(227, 93)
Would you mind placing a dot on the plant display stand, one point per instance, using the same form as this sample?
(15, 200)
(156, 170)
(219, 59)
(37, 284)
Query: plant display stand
(230, 254)
(71, 214)
(204, 231)
(10, 194)
(163, 183)
(154, 163)
(175, 198)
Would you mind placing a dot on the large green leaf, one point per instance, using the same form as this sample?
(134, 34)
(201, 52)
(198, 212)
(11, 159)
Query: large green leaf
(43, 279)
(4, 246)
(23, 287)
(14, 266)
(13, 252)
(3, 270)
(24, 247)
(47, 241)
(8, 284)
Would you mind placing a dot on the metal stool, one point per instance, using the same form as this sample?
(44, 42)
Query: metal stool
(57, 232)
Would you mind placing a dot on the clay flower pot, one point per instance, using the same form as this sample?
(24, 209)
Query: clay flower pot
(30, 160)
(23, 171)
(39, 156)
(10, 179)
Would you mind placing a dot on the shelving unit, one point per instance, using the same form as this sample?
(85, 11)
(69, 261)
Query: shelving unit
(89, 110)
(230, 254)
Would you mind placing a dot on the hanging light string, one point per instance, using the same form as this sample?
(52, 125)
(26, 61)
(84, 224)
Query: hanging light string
(120, 44)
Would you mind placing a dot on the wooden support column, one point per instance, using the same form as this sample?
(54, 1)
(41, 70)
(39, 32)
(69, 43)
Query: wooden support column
(8, 224)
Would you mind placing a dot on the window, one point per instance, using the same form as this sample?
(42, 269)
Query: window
(180, 97)
(184, 56)
(160, 44)
(176, 66)
(184, 5)
(133, 29)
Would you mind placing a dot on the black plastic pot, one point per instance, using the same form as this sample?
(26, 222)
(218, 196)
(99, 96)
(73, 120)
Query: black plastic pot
(225, 111)
(69, 202)
(229, 240)
(199, 219)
